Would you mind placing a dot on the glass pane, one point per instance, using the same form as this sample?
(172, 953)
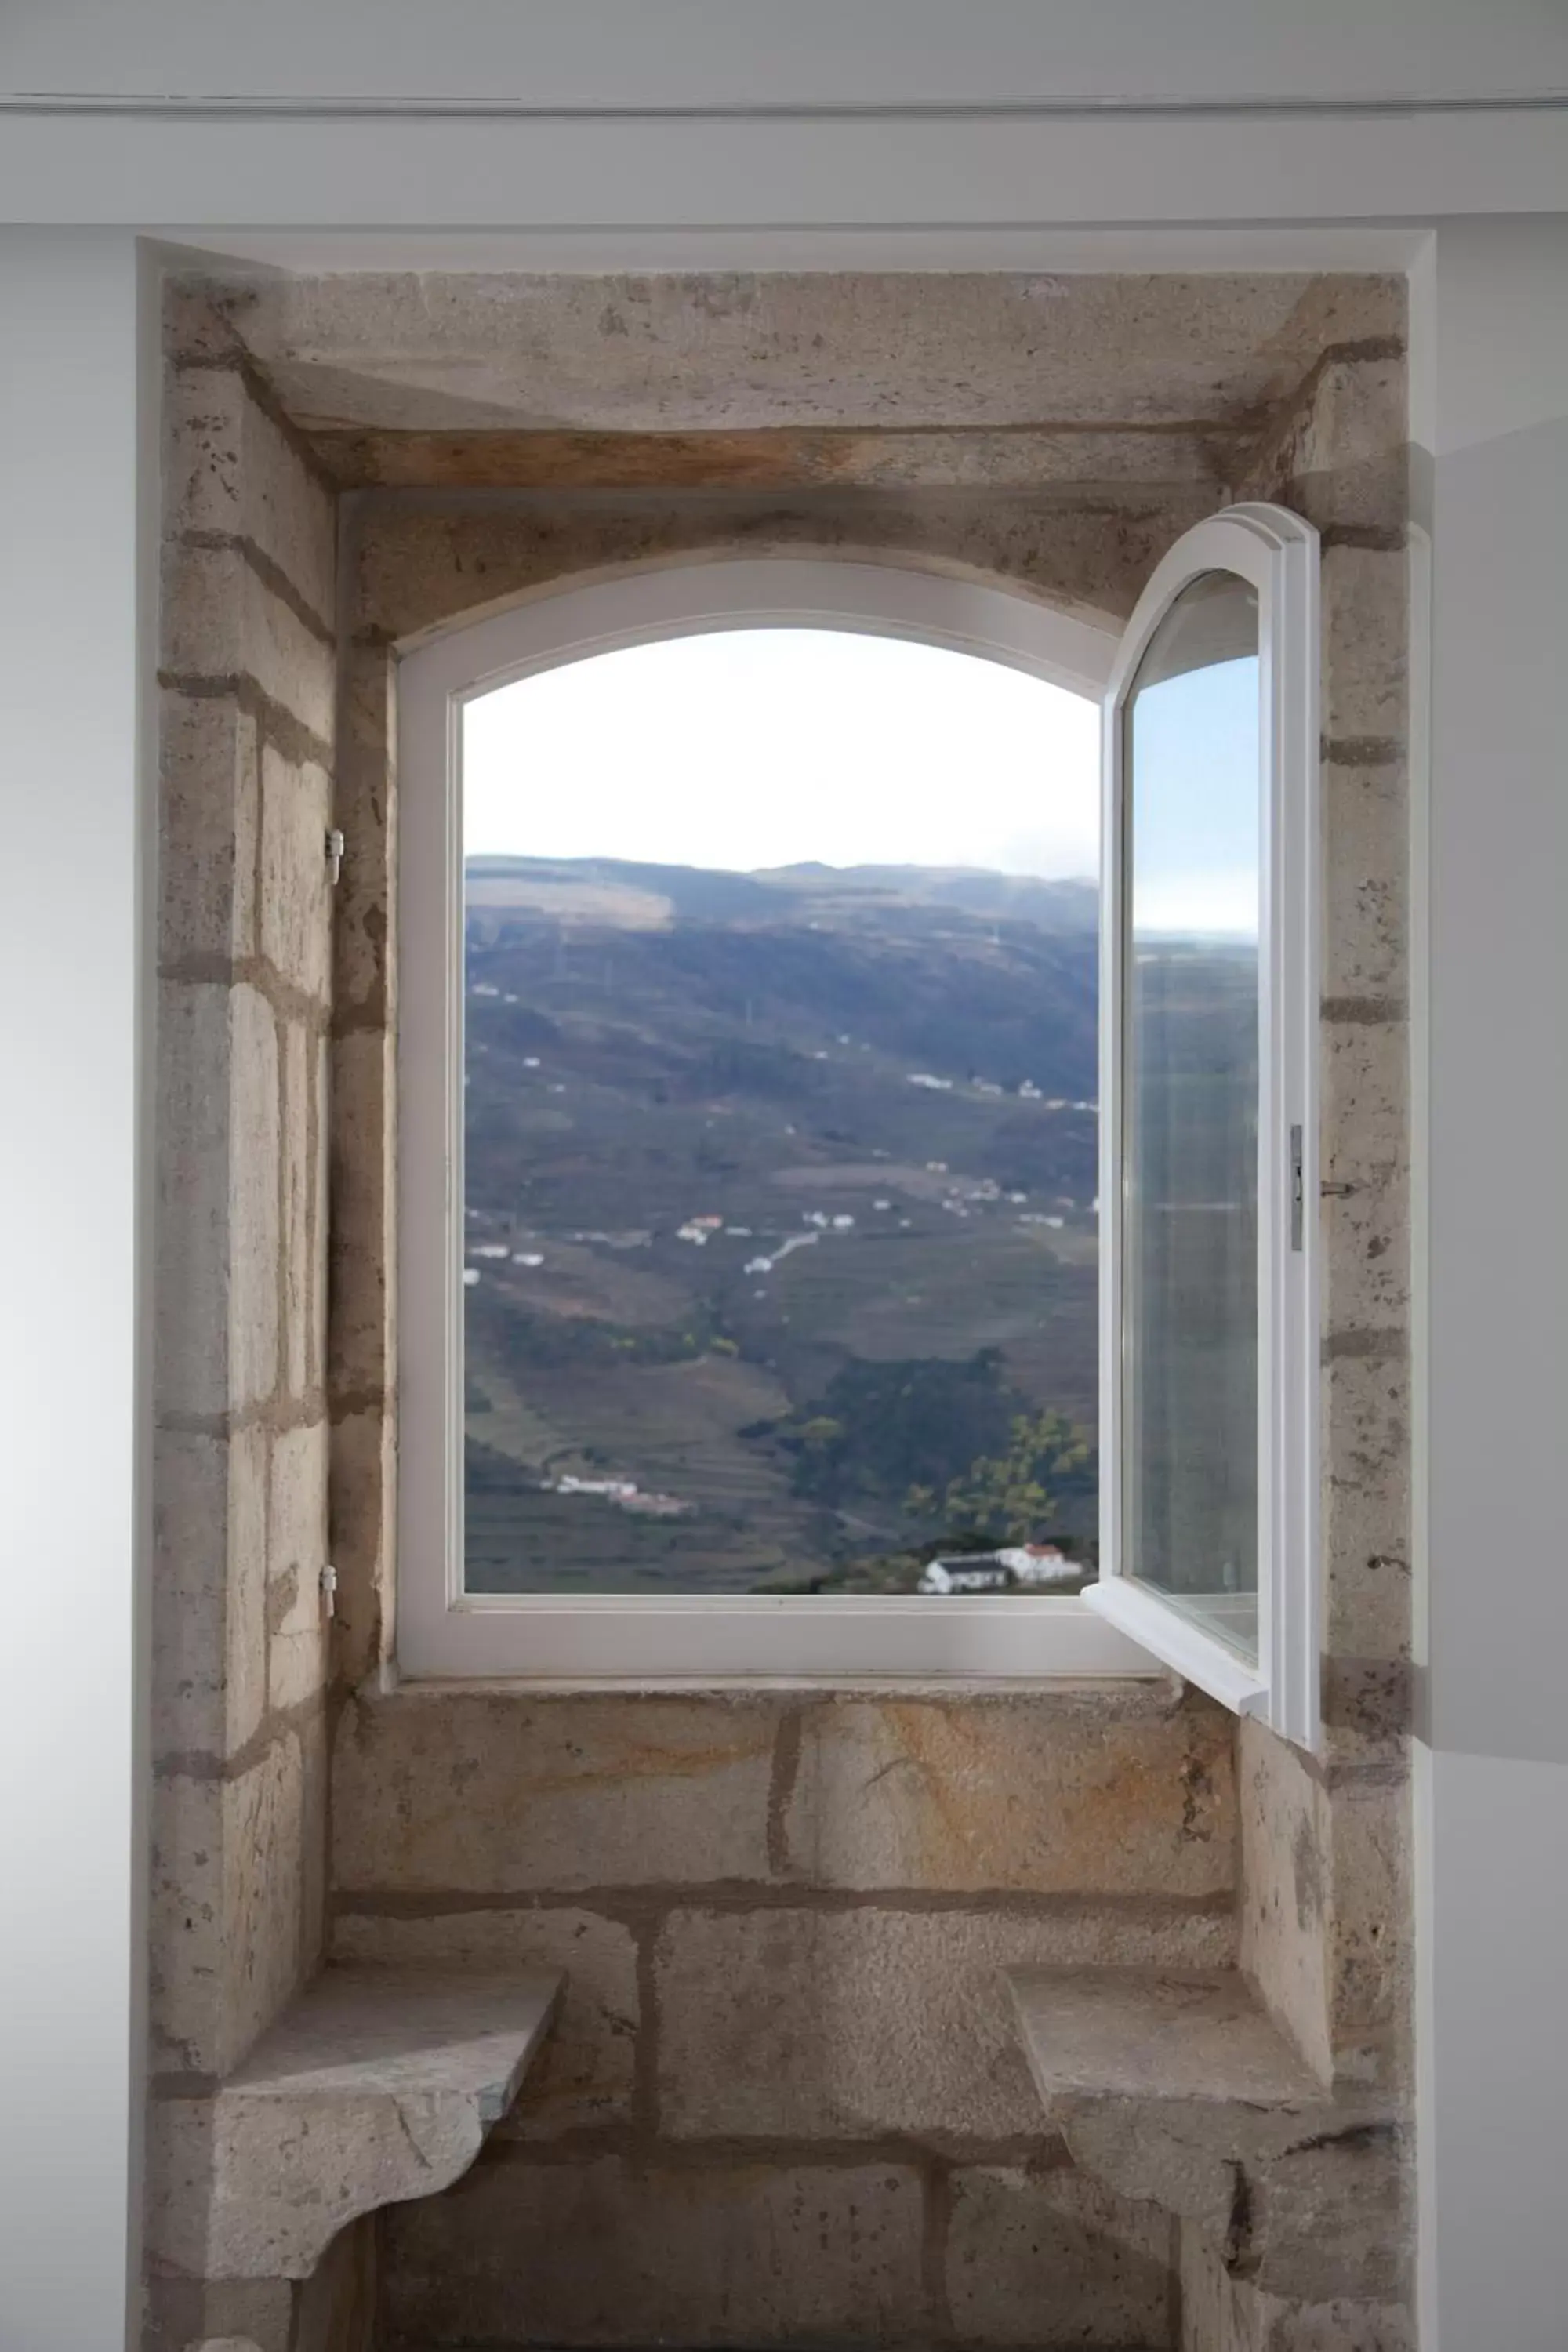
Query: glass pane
(1190, 1166)
(781, 1127)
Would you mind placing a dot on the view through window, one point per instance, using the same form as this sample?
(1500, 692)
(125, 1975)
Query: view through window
(780, 1123)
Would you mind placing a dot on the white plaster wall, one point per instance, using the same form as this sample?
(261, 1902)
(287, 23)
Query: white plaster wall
(1495, 1783)
(282, 168)
(620, 52)
(78, 468)
(1492, 458)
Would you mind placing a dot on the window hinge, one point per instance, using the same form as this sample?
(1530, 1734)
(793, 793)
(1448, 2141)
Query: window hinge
(1298, 1193)
(329, 1589)
(334, 854)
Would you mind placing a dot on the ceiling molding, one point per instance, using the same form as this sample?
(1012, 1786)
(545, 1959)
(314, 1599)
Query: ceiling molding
(240, 107)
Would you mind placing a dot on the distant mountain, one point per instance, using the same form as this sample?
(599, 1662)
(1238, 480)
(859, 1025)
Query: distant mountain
(632, 895)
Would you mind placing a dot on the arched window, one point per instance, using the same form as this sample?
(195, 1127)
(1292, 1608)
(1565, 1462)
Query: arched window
(754, 1022)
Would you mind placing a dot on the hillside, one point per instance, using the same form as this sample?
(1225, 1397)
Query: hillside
(779, 1198)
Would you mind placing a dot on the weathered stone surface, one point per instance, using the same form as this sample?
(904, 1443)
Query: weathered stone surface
(1367, 1502)
(1366, 880)
(852, 2024)
(649, 352)
(1308, 2199)
(1132, 2033)
(197, 323)
(229, 469)
(320, 1079)
(295, 1554)
(335, 2307)
(1185, 2094)
(775, 458)
(584, 2073)
(221, 620)
(1284, 1889)
(194, 2315)
(228, 1867)
(253, 1239)
(1364, 630)
(217, 1337)
(1370, 1958)
(614, 2251)
(1107, 1793)
(1365, 1096)
(191, 1339)
(1340, 458)
(1366, 1253)
(1368, 1710)
(209, 821)
(501, 1790)
(209, 1593)
(361, 1333)
(296, 921)
(365, 902)
(1089, 554)
(361, 1539)
(316, 1761)
(1221, 2313)
(1041, 2258)
(303, 1270)
(376, 2085)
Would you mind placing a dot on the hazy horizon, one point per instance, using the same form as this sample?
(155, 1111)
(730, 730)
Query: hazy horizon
(856, 749)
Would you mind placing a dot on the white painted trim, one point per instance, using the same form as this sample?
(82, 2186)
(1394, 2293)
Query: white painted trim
(684, 598)
(1277, 552)
(1185, 1647)
(441, 1630)
(610, 1635)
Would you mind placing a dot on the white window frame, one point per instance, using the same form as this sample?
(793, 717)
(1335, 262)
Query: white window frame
(1277, 552)
(441, 1630)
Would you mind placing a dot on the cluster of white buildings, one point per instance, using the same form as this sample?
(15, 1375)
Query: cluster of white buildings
(1021, 1568)
(625, 1493)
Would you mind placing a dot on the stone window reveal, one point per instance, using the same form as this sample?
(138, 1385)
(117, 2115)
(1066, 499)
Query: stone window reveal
(461, 1610)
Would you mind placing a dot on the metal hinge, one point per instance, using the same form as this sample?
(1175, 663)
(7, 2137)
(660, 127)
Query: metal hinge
(1298, 1193)
(329, 1589)
(334, 854)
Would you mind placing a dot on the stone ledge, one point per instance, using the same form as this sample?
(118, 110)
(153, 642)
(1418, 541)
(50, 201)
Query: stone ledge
(377, 2084)
(1179, 2090)
(1136, 1696)
(1123, 2033)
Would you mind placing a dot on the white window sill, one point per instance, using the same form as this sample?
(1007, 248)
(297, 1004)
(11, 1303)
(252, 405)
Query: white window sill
(701, 1638)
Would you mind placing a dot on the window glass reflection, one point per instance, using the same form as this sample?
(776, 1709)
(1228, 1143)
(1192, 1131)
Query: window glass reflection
(1190, 1141)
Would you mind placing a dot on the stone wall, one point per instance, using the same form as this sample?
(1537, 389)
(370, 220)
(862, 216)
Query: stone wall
(1327, 1914)
(247, 681)
(785, 2103)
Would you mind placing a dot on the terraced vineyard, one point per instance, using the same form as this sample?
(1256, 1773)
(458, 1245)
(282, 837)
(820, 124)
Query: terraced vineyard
(739, 1145)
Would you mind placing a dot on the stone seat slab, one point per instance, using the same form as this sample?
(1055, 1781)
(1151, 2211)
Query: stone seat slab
(1179, 2091)
(376, 2085)
(1132, 2033)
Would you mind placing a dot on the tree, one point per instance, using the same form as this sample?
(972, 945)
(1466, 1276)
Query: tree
(1011, 1498)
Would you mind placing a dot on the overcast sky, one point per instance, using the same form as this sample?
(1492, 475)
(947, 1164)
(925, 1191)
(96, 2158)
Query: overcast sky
(751, 748)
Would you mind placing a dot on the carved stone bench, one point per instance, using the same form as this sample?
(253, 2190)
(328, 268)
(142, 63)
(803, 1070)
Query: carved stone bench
(375, 2085)
(1180, 2091)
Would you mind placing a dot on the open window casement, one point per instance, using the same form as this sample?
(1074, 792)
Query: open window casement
(1208, 1119)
